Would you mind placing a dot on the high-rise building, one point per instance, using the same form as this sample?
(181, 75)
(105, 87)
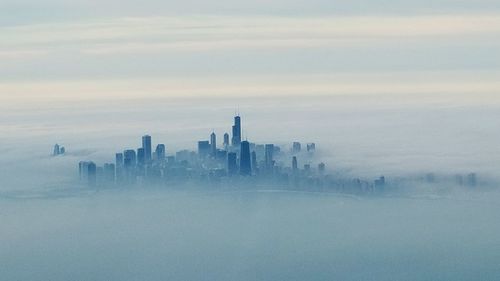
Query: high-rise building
(119, 167)
(160, 152)
(236, 131)
(81, 165)
(213, 144)
(129, 158)
(226, 140)
(119, 160)
(232, 165)
(311, 147)
(88, 172)
(146, 145)
(129, 164)
(221, 155)
(203, 149)
(295, 165)
(183, 156)
(109, 172)
(296, 147)
(141, 156)
(92, 174)
(56, 150)
(254, 161)
(245, 161)
(269, 150)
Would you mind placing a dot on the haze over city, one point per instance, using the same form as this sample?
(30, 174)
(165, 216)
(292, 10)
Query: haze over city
(407, 90)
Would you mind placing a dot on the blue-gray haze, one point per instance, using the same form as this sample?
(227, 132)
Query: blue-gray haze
(394, 88)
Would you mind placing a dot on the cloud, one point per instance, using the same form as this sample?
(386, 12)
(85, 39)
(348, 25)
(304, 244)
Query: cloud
(461, 87)
(190, 33)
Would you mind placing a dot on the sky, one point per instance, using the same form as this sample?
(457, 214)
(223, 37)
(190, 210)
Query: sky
(53, 50)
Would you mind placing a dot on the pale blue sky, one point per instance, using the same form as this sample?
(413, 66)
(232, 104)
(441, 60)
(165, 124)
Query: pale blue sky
(439, 46)
(28, 11)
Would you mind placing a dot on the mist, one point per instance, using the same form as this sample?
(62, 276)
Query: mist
(55, 228)
(400, 98)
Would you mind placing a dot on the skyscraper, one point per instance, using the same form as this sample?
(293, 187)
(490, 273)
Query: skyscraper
(146, 145)
(109, 172)
(254, 162)
(129, 164)
(296, 147)
(245, 161)
(203, 148)
(88, 172)
(92, 174)
(232, 166)
(119, 166)
(129, 158)
(56, 150)
(160, 152)
(236, 131)
(213, 144)
(119, 160)
(269, 150)
(141, 156)
(226, 140)
(295, 165)
(311, 147)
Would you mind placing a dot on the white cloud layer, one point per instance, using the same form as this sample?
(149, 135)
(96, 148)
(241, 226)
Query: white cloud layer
(164, 34)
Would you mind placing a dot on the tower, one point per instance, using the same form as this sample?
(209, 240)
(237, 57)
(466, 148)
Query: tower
(88, 172)
(226, 140)
(141, 156)
(129, 163)
(236, 131)
(56, 150)
(213, 144)
(254, 161)
(269, 149)
(160, 152)
(203, 148)
(119, 166)
(232, 166)
(245, 161)
(146, 145)
(129, 158)
(296, 147)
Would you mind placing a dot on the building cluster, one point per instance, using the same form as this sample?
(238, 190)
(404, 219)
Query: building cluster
(234, 160)
(58, 150)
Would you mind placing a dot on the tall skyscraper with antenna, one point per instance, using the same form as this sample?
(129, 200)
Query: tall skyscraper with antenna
(236, 141)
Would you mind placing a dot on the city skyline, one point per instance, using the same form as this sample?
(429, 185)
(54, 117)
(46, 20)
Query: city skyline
(241, 161)
(240, 158)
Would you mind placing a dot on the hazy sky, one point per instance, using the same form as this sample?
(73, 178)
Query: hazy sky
(103, 49)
